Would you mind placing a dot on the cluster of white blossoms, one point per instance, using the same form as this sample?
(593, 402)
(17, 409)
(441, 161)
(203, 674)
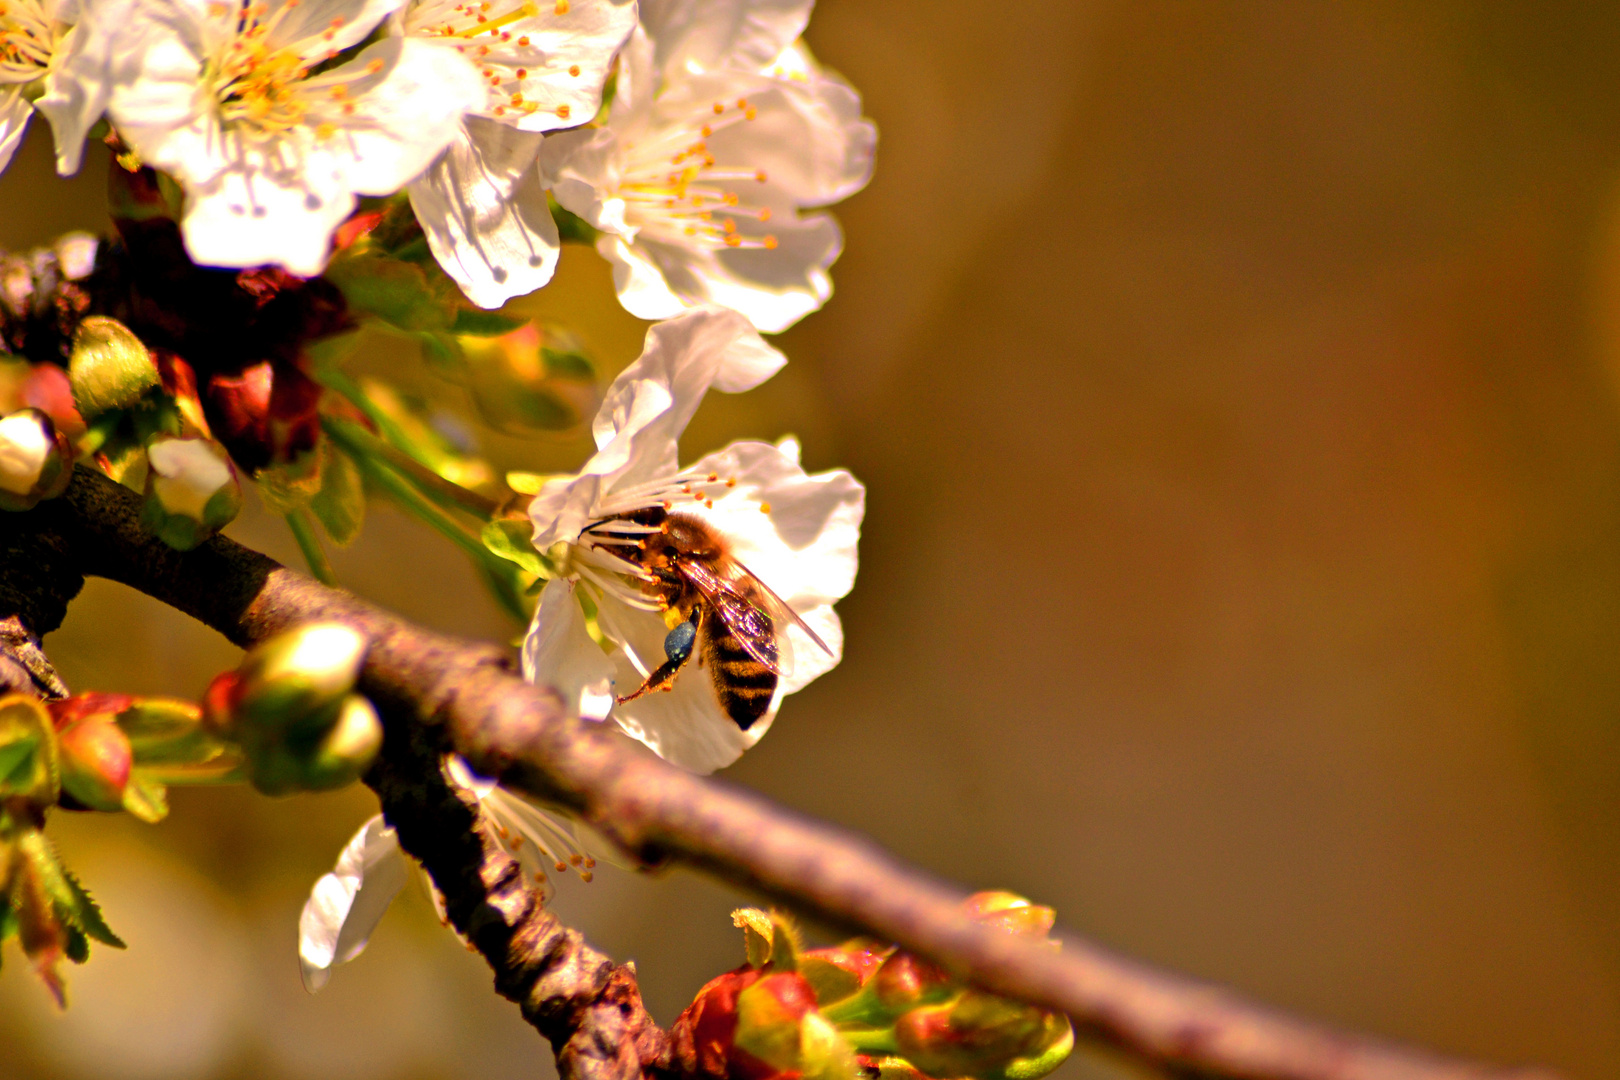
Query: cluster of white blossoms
(275, 115)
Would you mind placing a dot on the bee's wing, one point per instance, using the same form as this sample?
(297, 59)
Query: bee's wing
(748, 622)
(780, 611)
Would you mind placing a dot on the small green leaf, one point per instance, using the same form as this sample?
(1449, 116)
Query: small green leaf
(340, 504)
(509, 538)
(86, 914)
(475, 322)
(146, 799)
(291, 485)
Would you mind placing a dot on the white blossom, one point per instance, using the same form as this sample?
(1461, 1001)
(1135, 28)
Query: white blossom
(229, 96)
(543, 62)
(796, 533)
(722, 129)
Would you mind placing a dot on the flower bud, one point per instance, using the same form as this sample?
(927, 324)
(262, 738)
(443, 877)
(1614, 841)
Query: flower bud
(109, 368)
(191, 490)
(983, 1036)
(905, 981)
(347, 750)
(35, 461)
(299, 673)
(777, 1023)
(96, 759)
(47, 389)
(1011, 913)
(28, 758)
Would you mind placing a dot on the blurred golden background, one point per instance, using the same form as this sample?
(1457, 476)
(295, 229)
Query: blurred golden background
(1236, 384)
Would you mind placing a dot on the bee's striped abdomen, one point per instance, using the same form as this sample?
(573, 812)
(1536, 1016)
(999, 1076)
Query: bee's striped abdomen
(745, 686)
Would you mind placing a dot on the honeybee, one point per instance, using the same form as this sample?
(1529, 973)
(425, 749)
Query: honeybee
(730, 617)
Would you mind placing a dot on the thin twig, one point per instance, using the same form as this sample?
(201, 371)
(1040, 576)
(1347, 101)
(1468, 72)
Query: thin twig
(467, 695)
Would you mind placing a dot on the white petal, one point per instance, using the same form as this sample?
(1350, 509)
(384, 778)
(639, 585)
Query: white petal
(485, 213)
(14, 114)
(248, 215)
(702, 35)
(647, 408)
(86, 66)
(564, 62)
(346, 905)
(580, 168)
(684, 725)
(558, 652)
(404, 121)
(304, 27)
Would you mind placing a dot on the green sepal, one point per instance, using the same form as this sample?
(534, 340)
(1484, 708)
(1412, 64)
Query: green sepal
(146, 799)
(1038, 1065)
(291, 485)
(28, 760)
(510, 539)
(69, 900)
(571, 228)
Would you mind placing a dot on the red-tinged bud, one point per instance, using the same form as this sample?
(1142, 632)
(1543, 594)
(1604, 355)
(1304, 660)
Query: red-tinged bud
(265, 414)
(842, 970)
(36, 462)
(702, 1038)
(79, 707)
(753, 1024)
(905, 981)
(47, 389)
(180, 384)
(219, 704)
(1011, 913)
(984, 1037)
(95, 758)
(354, 230)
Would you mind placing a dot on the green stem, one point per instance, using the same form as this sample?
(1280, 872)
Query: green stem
(402, 492)
(870, 1040)
(309, 542)
(360, 442)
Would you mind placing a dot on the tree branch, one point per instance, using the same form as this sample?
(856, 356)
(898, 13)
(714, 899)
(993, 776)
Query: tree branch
(438, 693)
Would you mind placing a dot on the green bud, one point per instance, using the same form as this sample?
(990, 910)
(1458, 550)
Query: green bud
(35, 460)
(983, 1036)
(28, 760)
(348, 749)
(95, 760)
(109, 367)
(298, 674)
(191, 490)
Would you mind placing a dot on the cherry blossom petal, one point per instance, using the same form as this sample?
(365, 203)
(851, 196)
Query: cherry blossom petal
(485, 213)
(559, 652)
(14, 114)
(647, 408)
(702, 35)
(346, 905)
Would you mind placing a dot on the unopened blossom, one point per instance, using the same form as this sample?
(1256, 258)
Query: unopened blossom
(231, 98)
(543, 63)
(346, 905)
(723, 128)
(796, 533)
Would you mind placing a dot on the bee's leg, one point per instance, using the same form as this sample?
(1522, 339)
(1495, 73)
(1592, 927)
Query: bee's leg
(678, 644)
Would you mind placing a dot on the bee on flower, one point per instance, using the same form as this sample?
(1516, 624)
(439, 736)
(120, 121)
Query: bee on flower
(722, 129)
(543, 62)
(712, 585)
(272, 130)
